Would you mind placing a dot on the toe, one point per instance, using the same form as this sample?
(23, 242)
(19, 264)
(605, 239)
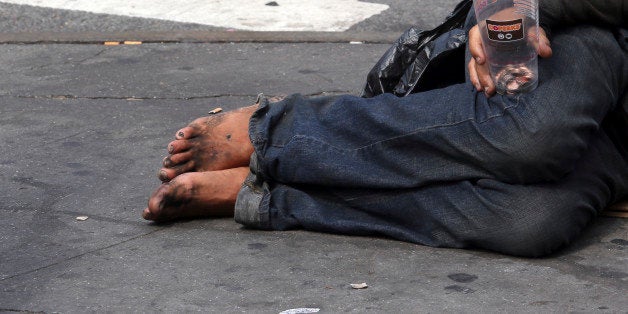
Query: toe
(155, 205)
(178, 146)
(146, 214)
(166, 162)
(167, 174)
(186, 133)
(177, 159)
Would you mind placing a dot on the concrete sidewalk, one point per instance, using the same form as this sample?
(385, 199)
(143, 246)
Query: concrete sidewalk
(83, 131)
(111, 16)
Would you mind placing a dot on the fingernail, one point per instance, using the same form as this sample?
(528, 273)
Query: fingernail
(478, 59)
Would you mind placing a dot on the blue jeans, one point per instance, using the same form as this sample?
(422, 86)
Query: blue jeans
(520, 175)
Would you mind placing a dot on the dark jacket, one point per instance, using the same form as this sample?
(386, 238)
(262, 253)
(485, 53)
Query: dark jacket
(607, 13)
(561, 13)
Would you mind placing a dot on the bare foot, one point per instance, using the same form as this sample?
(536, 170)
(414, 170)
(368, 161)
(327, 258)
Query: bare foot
(196, 195)
(210, 143)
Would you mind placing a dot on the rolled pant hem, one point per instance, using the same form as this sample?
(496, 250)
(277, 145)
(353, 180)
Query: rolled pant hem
(252, 203)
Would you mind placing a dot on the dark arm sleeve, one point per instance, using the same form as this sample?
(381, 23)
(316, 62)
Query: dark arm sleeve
(560, 13)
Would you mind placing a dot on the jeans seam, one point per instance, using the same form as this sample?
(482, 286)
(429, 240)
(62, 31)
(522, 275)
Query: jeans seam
(518, 99)
(298, 137)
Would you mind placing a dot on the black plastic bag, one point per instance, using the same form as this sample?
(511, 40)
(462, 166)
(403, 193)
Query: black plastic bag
(422, 60)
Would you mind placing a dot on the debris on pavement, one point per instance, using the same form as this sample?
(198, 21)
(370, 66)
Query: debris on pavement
(359, 285)
(82, 218)
(126, 42)
(215, 111)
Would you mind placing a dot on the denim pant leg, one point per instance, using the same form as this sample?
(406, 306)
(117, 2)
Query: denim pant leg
(449, 134)
(523, 220)
(519, 175)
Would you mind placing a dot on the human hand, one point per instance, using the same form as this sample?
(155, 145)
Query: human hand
(478, 68)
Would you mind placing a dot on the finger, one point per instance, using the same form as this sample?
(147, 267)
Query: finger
(475, 45)
(541, 43)
(473, 75)
(545, 48)
(486, 81)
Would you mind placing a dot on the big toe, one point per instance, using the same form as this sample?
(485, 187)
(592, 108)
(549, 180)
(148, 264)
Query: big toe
(147, 214)
(169, 201)
(155, 203)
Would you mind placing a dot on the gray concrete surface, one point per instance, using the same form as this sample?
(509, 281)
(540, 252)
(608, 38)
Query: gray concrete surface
(83, 129)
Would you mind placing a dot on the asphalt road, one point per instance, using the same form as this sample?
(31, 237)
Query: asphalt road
(83, 130)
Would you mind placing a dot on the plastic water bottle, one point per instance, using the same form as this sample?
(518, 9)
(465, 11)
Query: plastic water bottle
(510, 35)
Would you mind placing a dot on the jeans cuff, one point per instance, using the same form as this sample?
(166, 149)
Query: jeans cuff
(252, 203)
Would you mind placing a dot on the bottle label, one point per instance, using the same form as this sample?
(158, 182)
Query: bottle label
(505, 31)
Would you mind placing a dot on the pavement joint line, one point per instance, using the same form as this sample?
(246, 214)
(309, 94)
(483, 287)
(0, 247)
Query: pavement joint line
(20, 311)
(132, 98)
(83, 254)
(148, 37)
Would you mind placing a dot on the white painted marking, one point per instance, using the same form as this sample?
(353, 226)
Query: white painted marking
(290, 15)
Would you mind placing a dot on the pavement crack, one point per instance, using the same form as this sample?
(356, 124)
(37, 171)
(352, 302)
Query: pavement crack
(66, 62)
(75, 134)
(79, 97)
(82, 254)
(87, 58)
(19, 311)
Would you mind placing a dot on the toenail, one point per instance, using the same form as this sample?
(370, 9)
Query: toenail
(181, 134)
(170, 148)
(163, 175)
